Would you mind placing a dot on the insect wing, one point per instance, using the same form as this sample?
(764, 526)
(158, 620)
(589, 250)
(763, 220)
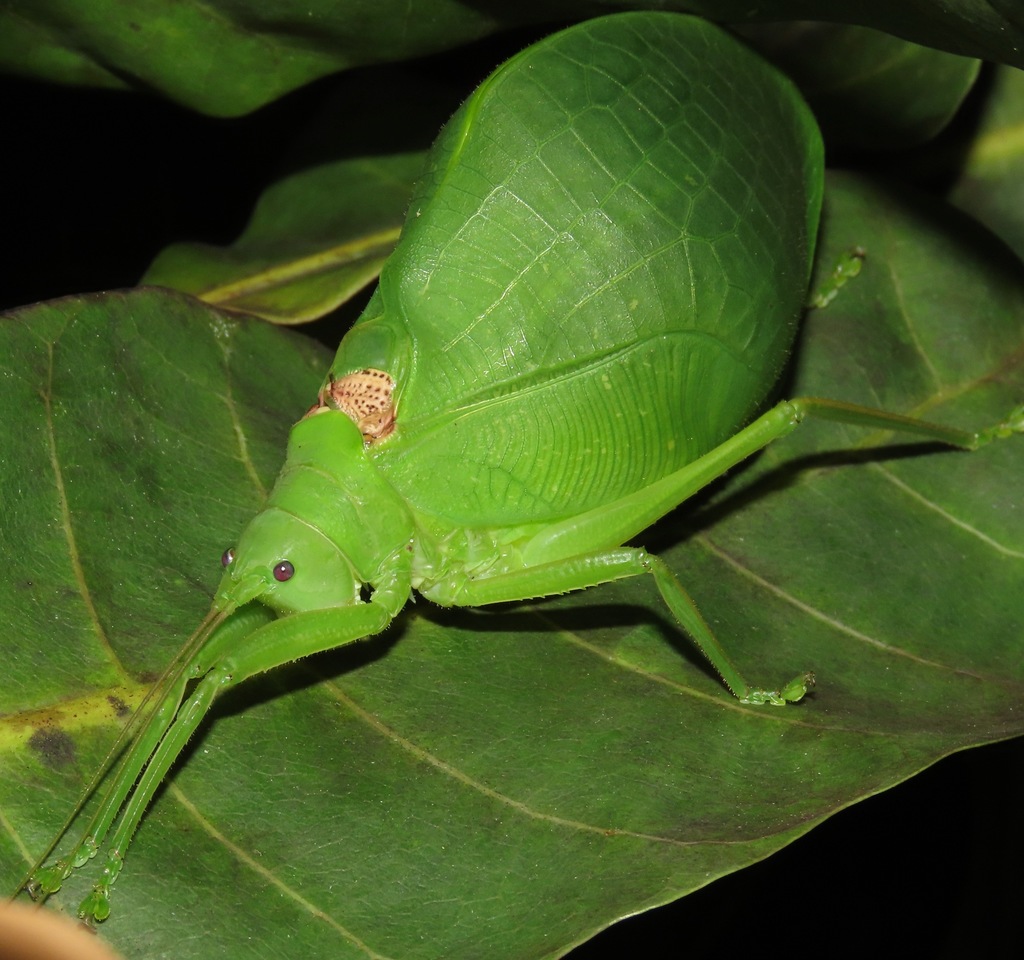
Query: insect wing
(596, 277)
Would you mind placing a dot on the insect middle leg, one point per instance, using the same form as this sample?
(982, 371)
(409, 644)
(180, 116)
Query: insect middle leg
(589, 570)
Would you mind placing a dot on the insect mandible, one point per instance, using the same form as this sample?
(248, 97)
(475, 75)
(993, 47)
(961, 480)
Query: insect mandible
(597, 286)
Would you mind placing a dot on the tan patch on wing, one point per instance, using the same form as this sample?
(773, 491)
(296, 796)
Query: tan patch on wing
(365, 397)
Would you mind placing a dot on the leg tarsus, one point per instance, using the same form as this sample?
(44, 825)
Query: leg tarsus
(792, 692)
(49, 880)
(95, 908)
(1014, 423)
(689, 618)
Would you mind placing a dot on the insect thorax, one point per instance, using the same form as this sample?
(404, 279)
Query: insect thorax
(330, 483)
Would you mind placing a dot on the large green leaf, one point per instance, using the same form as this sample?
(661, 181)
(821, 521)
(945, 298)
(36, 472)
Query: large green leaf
(225, 57)
(441, 790)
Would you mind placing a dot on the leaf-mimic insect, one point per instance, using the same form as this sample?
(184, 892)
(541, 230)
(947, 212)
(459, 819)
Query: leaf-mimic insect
(597, 286)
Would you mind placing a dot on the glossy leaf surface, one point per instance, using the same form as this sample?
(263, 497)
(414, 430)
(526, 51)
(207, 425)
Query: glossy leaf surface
(227, 58)
(442, 790)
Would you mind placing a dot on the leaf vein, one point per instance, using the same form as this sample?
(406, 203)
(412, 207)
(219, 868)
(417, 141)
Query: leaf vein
(960, 524)
(454, 773)
(66, 524)
(268, 875)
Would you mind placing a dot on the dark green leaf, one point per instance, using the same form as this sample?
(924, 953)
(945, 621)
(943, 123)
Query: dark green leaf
(315, 239)
(868, 89)
(505, 783)
(222, 57)
(322, 231)
(227, 58)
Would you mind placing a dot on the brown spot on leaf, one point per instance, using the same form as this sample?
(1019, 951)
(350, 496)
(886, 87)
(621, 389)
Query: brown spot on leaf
(55, 747)
(120, 707)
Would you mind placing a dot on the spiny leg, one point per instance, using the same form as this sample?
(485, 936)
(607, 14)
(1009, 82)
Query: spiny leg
(615, 523)
(143, 733)
(48, 880)
(868, 417)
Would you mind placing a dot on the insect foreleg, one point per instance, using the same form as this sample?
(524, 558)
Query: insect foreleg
(49, 880)
(219, 657)
(142, 734)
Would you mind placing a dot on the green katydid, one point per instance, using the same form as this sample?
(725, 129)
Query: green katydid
(578, 321)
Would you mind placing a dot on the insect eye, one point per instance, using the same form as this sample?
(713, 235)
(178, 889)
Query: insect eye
(284, 571)
(227, 557)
